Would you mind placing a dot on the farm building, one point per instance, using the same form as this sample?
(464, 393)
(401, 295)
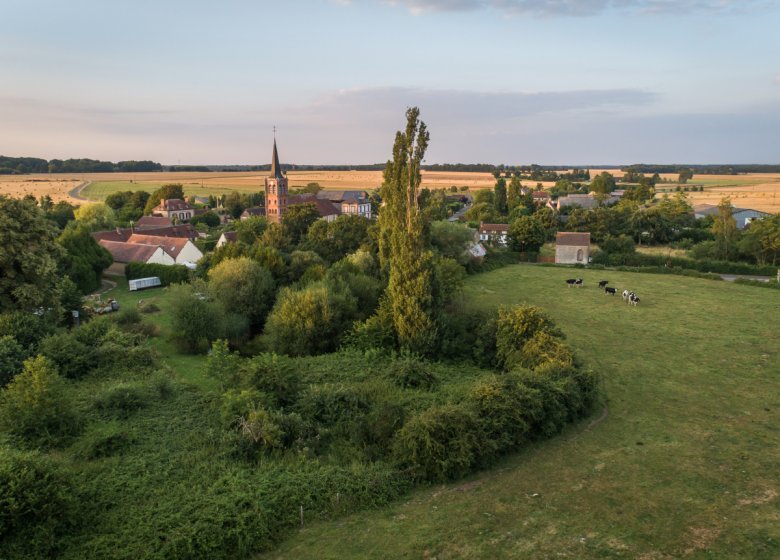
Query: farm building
(124, 252)
(227, 237)
(174, 209)
(182, 250)
(493, 233)
(572, 248)
(743, 216)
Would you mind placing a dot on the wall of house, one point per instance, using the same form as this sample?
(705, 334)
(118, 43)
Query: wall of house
(745, 216)
(190, 253)
(161, 257)
(571, 254)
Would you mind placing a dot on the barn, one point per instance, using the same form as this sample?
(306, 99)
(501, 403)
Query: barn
(572, 248)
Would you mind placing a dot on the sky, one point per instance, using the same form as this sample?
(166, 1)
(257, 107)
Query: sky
(553, 82)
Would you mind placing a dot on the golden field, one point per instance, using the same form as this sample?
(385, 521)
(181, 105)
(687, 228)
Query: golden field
(760, 191)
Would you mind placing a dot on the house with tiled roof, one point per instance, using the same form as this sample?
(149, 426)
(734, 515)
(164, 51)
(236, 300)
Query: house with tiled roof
(253, 212)
(348, 202)
(327, 210)
(227, 237)
(124, 253)
(493, 233)
(185, 231)
(572, 247)
(181, 249)
(153, 222)
(174, 209)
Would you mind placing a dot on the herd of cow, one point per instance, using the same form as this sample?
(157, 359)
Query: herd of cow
(629, 297)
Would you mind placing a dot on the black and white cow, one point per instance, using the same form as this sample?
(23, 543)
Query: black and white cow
(603, 283)
(610, 291)
(574, 282)
(633, 299)
(626, 293)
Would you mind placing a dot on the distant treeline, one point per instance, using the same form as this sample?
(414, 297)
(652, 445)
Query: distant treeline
(704, 169)
(22, 165)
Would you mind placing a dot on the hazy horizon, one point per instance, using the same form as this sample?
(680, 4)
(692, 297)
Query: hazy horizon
(497, 81)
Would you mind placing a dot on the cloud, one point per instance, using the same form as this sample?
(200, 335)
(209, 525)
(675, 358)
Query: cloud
(582, 7)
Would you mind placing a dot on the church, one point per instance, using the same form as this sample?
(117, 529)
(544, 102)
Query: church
(275, 190)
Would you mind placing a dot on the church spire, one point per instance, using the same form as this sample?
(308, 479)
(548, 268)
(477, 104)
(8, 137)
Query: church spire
(276, 167)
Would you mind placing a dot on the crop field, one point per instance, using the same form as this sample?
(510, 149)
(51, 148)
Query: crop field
(681, 460)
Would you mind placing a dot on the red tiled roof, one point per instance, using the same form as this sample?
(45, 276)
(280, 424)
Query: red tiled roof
(324, 207)
(129, 252)
(572, 239)
(172, 204)
(171, 245)
(540, 194)
(118, 234)
(182, 230)
(493, 228)
(253, 211)
(152, 222)
(231, 236)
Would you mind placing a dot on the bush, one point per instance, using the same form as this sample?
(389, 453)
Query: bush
(168, 274)
(35, 407)
(439, 444)
(411, 371)
(469, 334)
(26, 328)
(237, 403)
(622, 244)
(310, 321)
(11, 358)
(195, 322)
(36, 504)
(147, 307)
(544, 348)
(73, 358)
(103, 440)
(243, 286)
(121, 400)
(274, 375)
(127, 316)
(516, 326)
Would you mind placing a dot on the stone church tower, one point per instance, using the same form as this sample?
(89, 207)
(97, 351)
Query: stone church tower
(275, 191)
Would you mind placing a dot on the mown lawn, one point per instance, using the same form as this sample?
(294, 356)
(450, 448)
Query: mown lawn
(682, 460)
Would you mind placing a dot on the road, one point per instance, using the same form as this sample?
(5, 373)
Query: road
(457, 215)
(76, 191)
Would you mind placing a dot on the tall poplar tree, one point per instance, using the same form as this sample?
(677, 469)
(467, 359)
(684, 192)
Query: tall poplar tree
(403, 252)
(499, 196)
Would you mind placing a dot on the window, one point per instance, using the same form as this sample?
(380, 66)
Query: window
(579, 255)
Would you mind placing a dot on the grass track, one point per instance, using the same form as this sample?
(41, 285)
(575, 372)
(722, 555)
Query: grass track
(685, 464)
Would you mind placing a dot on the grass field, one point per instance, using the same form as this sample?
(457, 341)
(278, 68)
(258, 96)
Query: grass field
(681, 462)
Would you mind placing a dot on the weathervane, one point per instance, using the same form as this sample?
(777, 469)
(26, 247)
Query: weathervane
(274, 133)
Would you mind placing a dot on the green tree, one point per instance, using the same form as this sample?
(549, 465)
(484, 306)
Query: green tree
(335, 240)
(195, 321)
(297, 220)
(28, 256)
(85, 259)
(761, 240)
(526, 234)
(603, 184)
(403, 253)
(11, 358)
(166, 192)
(309, 321)
(500, 196)
(452, 239)
(35, 406)
(243, 286)
(95, 217)
(514, 193)
(725, 230)
(251, 229)
(685, 174)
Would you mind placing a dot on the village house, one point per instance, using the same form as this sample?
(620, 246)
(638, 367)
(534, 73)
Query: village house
(253, 212)
(123, 253)
(153, 222)
(494, 233)
(182, 250)
(572, 248)
(348, 202)
(185, 231)
(743, 216)
(541, 198)
(586, 201)
(227, 237)
(174, 209)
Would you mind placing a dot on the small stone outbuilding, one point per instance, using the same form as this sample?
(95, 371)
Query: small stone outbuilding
(572, 248)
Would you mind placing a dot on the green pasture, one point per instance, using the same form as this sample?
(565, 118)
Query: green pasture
(682, 459)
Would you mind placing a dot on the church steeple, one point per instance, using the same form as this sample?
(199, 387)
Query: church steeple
(276, 168)
(275, 189)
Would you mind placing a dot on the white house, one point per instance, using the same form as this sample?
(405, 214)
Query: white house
(572, 248)
(494, 233)
(227, 237)
(182, 250)
(174, 208)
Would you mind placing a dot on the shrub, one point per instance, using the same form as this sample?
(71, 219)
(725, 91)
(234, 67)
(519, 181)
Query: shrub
(622, 244)
(26, 328)
(127, 316)
(310, 321)
(147, 307)
(168, 274)
(334, 404)
(516, 326)
(11, 359)
(439, 444)
(223, 365)
(121, 400)
(469, 334)
(544, 348)
(73, 358)
(409, 370)
(35, 407)
(36, 504)
(195, 322)
(237, 403)
(103, 440)
(274, 375)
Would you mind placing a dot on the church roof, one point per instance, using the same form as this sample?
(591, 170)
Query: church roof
(276, 167)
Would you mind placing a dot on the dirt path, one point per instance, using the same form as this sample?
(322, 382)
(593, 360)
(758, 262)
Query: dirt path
(76, 191)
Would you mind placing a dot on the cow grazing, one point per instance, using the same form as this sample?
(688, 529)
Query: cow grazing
(578, 282)
(610, 291)
(626, 293)
(633, 299)
(603, 283)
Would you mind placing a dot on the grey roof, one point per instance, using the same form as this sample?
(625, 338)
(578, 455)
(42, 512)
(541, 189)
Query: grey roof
(343, 196)
(276, 167)
(712, 210)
